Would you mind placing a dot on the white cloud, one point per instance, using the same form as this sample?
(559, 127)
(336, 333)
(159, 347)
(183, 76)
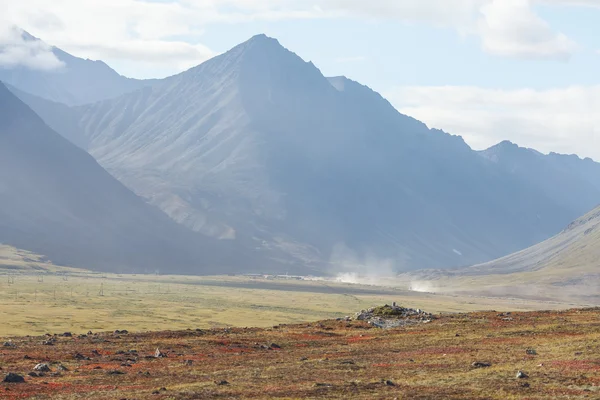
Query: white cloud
(564, 119)
(17, 51)
(511, 28)
(140, 31)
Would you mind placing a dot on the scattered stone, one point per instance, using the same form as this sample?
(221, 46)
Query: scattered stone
(115, 372)
(13, 378)
(189, 363)
(42, 368)
(62, 368)
(393, 316)
(9, 344)
(389, 383)
(531, 352)
(221, 383)
(121, 332)
(67, 334)
(274, 346)
(26, 357)
(81, 357)
(49, 342)
(480, 364)
(33, 374)
(323, 384)
(159, 354)
(96, 352)
(304, 359)
(525, 385)
(522, 375)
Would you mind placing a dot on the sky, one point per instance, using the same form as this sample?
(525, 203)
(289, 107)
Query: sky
(488, 70)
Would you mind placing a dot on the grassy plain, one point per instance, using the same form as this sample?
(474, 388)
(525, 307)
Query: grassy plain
(81, 301)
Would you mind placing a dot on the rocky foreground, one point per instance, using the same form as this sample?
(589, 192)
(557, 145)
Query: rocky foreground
(486, 355)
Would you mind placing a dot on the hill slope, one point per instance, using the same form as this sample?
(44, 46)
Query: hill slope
(565, 267)
(78, 82)
(257, 143)
(575, 250)
(57, 201)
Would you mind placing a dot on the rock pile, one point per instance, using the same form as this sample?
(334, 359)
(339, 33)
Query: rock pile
(393, 316)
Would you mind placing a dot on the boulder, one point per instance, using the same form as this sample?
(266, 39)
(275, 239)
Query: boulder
(13, 378)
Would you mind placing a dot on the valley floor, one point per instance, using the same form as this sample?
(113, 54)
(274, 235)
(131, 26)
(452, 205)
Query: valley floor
(557, 350)
(51, 301)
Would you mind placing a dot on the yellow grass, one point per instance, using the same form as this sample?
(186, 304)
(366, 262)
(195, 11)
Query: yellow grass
(82, 301)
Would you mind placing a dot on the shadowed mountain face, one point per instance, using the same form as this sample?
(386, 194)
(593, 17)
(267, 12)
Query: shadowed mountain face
(256, 143)
(77, 82)
(57, 201)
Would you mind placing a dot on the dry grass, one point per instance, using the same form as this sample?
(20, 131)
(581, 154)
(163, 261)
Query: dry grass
(36, 304)
(329, 359)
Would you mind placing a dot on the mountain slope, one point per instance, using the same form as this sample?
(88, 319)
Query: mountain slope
(575, 249)
(78, 82)
(570, 181)
(57, 201)
(258, 144)
(565, 267)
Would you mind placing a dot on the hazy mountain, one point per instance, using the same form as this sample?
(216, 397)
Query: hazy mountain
(257, 143)
(564, 267)
(575, 249)
(77, 82)
(57, 201)
(571, 182)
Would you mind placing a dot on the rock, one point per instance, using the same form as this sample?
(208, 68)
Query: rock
(275, 346)
(115, 372)
(531, 352)
(221, 383)
(49, 342)
(67, 334)
(159, 354)
(13, 378)
(26, 357)
(189, 363)
(62, 368)
(522, 375)
(480, 364)
(9, 344)
(389, 383)
(96, 352)
(33, 374)
(42, 368)
(80, 357)
(304, 359)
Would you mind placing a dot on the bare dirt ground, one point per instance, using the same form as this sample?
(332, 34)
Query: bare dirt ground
(455, 356)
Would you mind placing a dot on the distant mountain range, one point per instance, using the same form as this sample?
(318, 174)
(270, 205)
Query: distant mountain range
(57, 201)
(258, 149)
(78, 82)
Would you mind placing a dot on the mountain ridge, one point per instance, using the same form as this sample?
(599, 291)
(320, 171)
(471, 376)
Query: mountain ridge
(257, 145)
(79, 81)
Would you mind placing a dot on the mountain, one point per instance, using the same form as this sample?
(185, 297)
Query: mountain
(564, 267)
(56, 200)
(570, 181)
(77, 82)
(256, 144)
